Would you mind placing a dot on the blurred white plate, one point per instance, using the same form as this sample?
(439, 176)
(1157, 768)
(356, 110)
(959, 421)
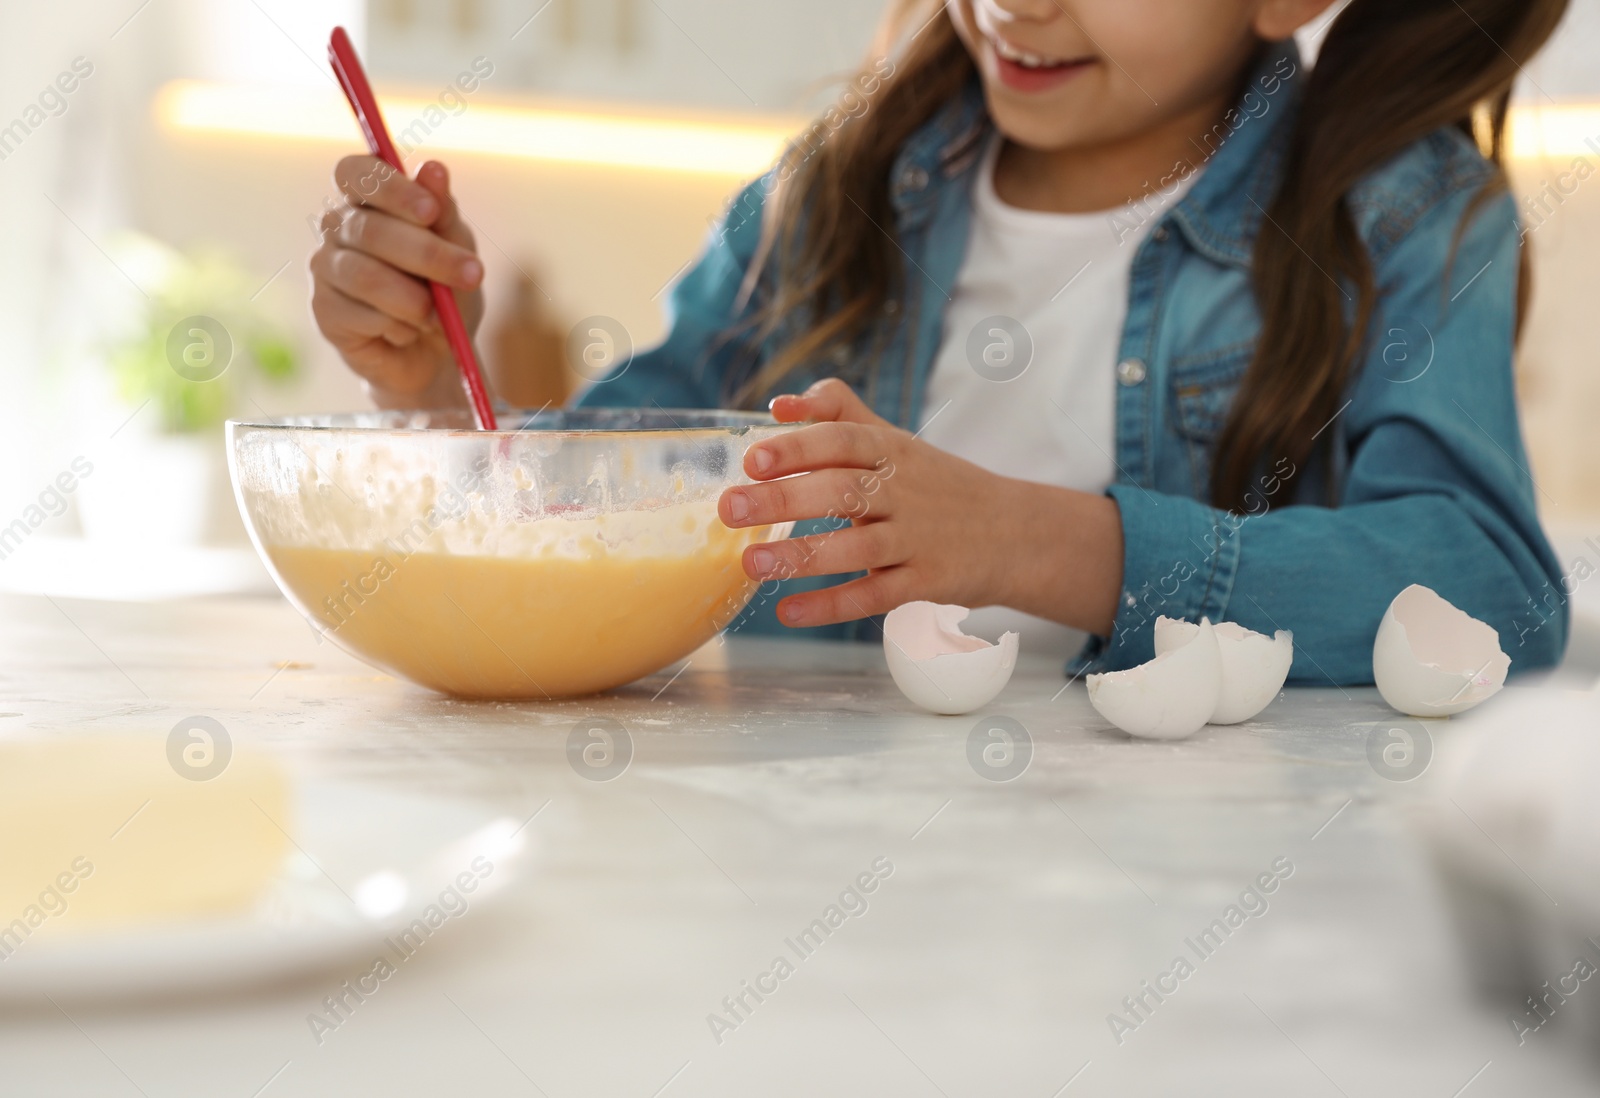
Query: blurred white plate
(77, 568)
(368, 863)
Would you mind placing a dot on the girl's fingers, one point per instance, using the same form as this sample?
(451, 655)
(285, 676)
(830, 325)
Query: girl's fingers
(368, 181)
(828, 399)
(435, 178)
(380, 349)
(848, 549)
(410, 248)
(346, 321)
(827, 493)
(378, 285)
(860, 598)
(821, 446)
(411, 372)
(369, 277)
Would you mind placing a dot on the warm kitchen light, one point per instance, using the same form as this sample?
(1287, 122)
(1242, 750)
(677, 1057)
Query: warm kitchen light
(595, 136)
(679, 144)
(1564, 130)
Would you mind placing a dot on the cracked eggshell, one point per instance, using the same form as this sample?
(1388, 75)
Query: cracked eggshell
(938, 666)
(1431, 659)
(1169, 698)
(1254, 665)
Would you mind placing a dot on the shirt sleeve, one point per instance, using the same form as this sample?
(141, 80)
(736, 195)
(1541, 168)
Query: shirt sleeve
(1435, 487)
(687, 369)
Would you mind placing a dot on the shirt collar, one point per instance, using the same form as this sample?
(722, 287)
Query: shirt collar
(1223, 213)
(947, 145)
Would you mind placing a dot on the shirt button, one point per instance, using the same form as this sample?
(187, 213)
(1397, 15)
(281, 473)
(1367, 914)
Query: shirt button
(1130, 371)
(1161, 233)
(913, 178)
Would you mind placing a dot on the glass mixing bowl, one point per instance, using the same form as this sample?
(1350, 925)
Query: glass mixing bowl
(571, 552)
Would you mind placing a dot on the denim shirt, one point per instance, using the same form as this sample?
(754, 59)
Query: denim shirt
(1430, 480)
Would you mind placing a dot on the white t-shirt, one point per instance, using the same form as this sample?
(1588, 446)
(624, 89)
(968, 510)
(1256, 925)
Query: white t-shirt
(1024, 383)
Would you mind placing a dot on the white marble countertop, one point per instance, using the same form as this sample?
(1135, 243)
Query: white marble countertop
(1017, 917)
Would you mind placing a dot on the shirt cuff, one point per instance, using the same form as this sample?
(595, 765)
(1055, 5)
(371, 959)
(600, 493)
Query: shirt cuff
(1179, 559)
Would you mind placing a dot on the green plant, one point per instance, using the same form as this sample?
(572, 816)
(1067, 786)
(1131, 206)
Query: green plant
(169, 356)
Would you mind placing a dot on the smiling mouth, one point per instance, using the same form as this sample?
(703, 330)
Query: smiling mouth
(1033, 62)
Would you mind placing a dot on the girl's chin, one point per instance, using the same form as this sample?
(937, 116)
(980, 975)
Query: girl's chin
(1043, 131)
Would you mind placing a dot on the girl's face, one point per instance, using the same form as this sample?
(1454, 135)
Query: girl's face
(1060, 74)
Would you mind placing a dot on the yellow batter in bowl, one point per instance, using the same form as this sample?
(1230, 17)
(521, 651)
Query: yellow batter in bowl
(573, 554)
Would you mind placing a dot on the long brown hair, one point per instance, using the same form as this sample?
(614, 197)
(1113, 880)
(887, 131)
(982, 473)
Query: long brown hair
(827, 240)
(1389, 73)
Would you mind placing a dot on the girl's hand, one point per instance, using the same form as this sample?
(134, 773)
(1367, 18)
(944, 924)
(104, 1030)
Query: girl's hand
(370, 293)
(924, 524)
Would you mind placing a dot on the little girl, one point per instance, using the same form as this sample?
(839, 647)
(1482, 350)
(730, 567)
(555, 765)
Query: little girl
(1098, 310)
